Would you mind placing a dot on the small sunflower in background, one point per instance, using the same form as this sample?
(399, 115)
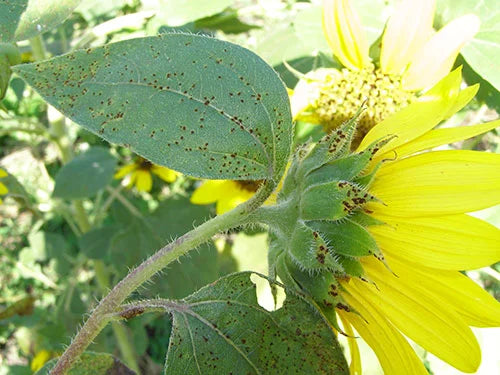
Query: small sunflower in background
(139, 174)
(3, 188)
(412, 57)
(227, 194)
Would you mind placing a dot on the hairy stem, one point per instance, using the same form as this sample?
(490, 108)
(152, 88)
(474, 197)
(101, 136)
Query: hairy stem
(101, 314)
(120, 332)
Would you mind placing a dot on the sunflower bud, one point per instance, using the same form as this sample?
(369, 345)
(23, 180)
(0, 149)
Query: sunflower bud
(318, 233)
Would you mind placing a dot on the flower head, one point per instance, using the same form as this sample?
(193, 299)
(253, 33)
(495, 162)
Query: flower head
(378, 237)
(140, 171)
(227, 194)
(413, 57)
(3, 188)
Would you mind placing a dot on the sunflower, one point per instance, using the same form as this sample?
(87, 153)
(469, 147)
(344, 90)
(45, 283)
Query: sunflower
(3, 188)
(140, 171)
(227, 194)
(384, 251)
(411, 57)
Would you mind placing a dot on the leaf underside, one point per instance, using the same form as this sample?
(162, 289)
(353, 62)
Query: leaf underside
(204, 107)
(221, 329)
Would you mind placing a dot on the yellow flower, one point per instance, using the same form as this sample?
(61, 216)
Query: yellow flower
(427, 238)
(41, 358)
(413, 57)
(139, 173)
(227, 194)
(3, 188)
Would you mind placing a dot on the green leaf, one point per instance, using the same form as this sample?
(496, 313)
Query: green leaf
(173, 99)
(85, 175)
(221, 329)
(24, 19)
(95, 243)
(483, 52)
(227, 22)
(180, 12)
(90, 363)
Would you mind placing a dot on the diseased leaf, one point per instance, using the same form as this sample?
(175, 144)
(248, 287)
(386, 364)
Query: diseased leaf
(85, 175)
(24, 19)
(221, 329)
(90, 363)
(201, 106)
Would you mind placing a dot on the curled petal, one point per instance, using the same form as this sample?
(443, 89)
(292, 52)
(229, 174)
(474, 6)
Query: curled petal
(343, 31)
(406, 32)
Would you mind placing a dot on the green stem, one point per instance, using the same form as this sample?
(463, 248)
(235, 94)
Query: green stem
(81, 216)
(119, 330)
(100, 315)
(38, 48)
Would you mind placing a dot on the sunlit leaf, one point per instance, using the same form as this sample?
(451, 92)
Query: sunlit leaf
(483, 52)
(23, 19)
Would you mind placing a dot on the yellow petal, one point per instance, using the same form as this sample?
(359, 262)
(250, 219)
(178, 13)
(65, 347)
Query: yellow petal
(40, 359)
(476, 306)
(417, 118)
(393, 351)
(442, 136)
(437, 183)
(424, 318)
(464, 97)
(355, 365)
(343, 31)
(143, 181)
(406, 32)
(456, 242)
(2, 173)
(210, 191)
(230, 201)
(125, 170)
(165, 174)
(436, 57)
(3, 189)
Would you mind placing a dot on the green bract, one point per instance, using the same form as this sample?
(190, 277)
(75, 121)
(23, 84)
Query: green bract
(318, 224)
(199, 105)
